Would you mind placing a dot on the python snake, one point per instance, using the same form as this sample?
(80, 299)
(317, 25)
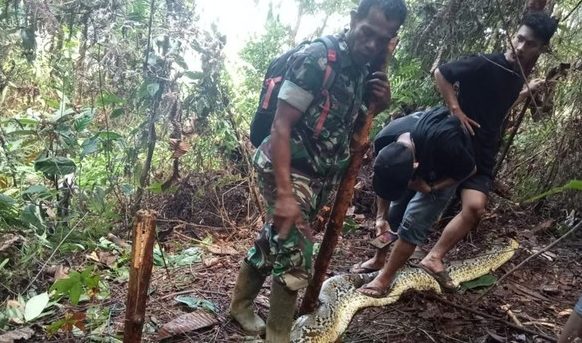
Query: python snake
(340, 300)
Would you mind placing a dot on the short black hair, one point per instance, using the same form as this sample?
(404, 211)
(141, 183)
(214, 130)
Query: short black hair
(541, 24)
(393, 9)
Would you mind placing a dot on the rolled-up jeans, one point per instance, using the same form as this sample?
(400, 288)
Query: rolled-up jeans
(415, 213)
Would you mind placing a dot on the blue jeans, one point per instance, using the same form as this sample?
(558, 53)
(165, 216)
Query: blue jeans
(578, 307)
(415, 213)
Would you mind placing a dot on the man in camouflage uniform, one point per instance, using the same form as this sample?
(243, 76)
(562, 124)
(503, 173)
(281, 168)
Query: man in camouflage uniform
(299, 162)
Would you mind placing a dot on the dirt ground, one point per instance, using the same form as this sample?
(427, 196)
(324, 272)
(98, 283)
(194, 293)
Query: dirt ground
(540, 295)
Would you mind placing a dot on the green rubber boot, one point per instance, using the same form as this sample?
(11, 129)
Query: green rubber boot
(248, 285)
(282, 307)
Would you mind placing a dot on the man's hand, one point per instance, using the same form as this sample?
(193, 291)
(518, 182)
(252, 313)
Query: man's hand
(466, 122)
(419, 185)
(535, 85)
(382, 226)
(286, 214)
(378, 92)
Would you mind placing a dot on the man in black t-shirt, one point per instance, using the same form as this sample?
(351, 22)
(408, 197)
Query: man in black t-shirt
(420, 159)
(488, 86)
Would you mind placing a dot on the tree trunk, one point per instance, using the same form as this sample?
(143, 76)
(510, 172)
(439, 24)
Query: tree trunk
(144, 234)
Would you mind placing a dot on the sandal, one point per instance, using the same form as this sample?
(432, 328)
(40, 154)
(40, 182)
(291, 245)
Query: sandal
(358, 268)
(443, 278)
(377, 291)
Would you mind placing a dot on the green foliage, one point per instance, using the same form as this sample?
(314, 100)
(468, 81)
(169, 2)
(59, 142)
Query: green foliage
(486, 280)
(76, 285)
(196, 303)
(575, 185)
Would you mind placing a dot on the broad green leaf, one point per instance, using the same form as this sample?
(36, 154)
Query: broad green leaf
(55, 166)
(35, 189)
(486, 280)
(6, 201)
(89, 146)
(153, 89)
(75, 292)
(82, 122)
(196, 303)
(63, 286)
(62, 115)
(35, 306)
(31, 216)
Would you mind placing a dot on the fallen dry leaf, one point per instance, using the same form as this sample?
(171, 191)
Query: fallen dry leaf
(107, 258)
(61, 272)
(179, 148)
(187, 322)
(209, 262)
(15, 335)
(222, 250)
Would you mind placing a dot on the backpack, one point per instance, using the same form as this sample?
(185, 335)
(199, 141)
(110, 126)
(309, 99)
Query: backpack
(263, 118)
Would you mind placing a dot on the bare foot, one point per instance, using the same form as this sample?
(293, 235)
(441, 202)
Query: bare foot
(377, 288)
(433, 263)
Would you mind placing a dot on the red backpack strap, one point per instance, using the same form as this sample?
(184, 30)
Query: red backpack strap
(270, 83)
(331, 59)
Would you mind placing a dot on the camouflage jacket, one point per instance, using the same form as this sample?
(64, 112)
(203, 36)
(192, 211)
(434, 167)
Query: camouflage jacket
(327, 155)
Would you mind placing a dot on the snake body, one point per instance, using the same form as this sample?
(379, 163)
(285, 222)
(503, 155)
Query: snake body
(340, 300)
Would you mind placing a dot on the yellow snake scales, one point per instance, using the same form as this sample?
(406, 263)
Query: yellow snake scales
(340, 300)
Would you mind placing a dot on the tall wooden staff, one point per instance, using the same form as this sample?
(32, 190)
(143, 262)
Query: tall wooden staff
(359, 144)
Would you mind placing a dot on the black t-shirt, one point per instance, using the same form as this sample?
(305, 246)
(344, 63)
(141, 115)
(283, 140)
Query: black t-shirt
(488, 86)
(394, 129)
(443, 149)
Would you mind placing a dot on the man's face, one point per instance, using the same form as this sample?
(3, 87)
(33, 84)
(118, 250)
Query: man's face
(370, 36)
(527, 47)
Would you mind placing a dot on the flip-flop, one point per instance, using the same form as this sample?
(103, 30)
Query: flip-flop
(359, 269)
(380, 243)
(379, 292)
(442, 277)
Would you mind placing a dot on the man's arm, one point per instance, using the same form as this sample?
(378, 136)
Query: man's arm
(383, 207)
(450, 96)
(286, 208)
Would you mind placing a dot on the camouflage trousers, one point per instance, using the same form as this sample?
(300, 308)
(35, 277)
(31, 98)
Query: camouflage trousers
(289, 260)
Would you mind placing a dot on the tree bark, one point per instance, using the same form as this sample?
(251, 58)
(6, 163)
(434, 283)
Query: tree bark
(144, 234)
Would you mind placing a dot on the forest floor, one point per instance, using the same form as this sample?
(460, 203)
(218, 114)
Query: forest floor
(540, 295)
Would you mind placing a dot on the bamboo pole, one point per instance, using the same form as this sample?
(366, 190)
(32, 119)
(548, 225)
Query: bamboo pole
(359, 144)
(144, 234)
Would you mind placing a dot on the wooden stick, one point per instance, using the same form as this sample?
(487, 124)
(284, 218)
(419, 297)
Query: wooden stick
(546, 248)
(142, 251)
(507, 309)
(488, 316)
(359, 144)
